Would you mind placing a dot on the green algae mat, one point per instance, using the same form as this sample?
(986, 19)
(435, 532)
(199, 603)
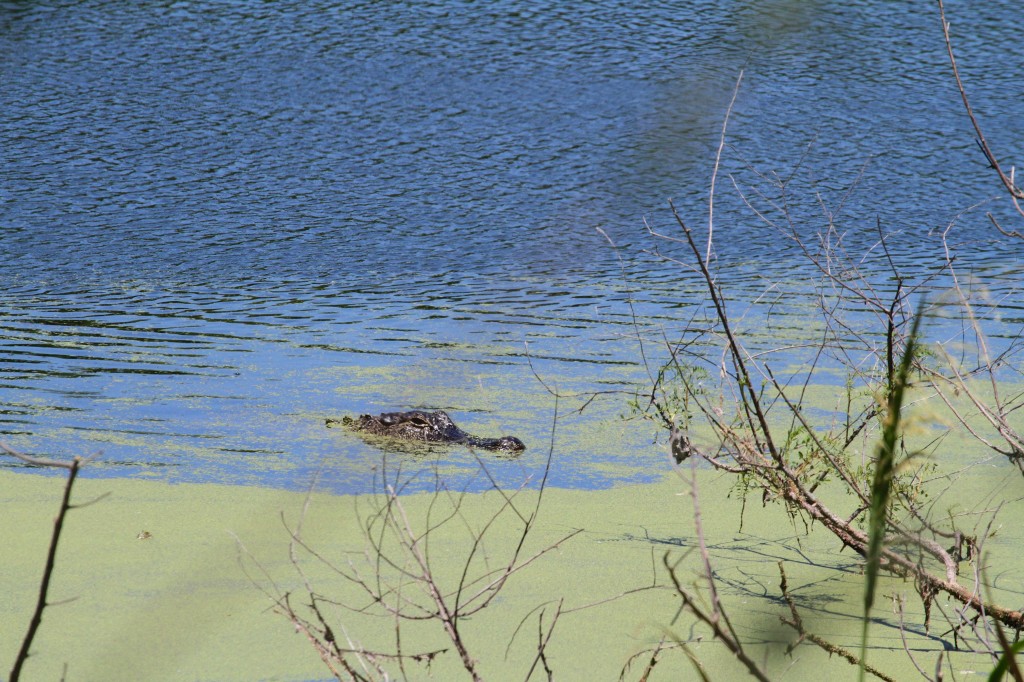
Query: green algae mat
(170, 582)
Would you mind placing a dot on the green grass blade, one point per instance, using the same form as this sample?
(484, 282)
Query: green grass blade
(881, 486)
(1004, 662)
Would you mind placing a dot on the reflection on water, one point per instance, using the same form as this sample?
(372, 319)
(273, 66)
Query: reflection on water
(223, 223)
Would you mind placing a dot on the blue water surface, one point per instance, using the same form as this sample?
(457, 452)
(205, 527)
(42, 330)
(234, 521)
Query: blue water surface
(224, 222)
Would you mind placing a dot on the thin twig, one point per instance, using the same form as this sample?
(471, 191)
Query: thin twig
(36, 620)
(714, 171)
(1016, 193)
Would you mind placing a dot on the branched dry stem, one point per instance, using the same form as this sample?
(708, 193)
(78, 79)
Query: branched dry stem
(73, 467)
(715, 617)
(398, 577)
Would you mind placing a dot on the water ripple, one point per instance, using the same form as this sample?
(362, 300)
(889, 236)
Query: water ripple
(223, 222)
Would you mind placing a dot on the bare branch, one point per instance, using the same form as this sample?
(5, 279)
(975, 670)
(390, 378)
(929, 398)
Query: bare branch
(51, 558)
(1015, 192)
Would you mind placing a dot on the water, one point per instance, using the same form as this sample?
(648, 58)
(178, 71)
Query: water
(224, 223)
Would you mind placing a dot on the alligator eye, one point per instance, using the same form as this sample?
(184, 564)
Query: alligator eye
(420, 422)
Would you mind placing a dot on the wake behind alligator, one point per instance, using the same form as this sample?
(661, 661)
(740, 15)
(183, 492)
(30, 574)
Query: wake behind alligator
(425, 427)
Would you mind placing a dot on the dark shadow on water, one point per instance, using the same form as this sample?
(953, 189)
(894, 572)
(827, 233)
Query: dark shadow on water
(834, 597)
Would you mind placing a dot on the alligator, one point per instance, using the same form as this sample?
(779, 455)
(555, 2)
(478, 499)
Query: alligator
(429, 427)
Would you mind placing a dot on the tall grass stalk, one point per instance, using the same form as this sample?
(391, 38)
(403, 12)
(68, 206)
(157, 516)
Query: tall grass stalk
(881, 486)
